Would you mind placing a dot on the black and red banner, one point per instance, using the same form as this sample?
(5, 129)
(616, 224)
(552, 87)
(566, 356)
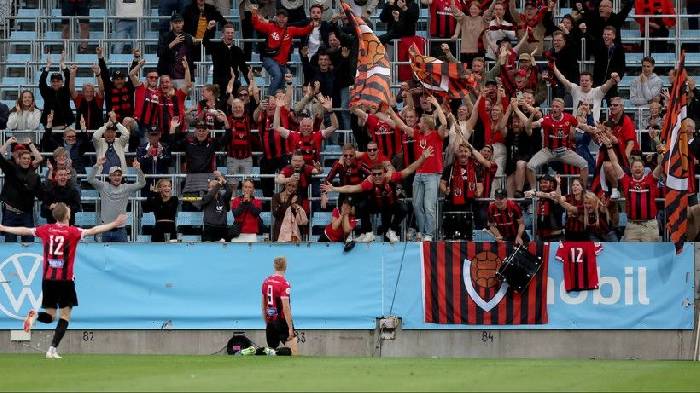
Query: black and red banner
(460, 285)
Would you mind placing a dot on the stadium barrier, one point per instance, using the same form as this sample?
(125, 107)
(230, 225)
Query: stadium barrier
(217, 286)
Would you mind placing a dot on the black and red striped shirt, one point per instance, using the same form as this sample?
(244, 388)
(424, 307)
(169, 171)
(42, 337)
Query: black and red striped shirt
(146, 106)
(409, 155)
(580, 266)
(309, 145)
(59, 243)
(349, 174)
(121, 102)
(486, 176)
(640, 197)
(387, 138)
(506, 220)
(240, 145)
(574, 223)
(274, 146)
(442, 19)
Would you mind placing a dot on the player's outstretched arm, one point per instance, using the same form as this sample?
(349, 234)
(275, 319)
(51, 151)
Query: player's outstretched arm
(120, 221)
(19, 231)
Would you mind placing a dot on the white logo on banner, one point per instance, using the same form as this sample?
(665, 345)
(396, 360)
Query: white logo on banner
(474, 294)
(16, 280)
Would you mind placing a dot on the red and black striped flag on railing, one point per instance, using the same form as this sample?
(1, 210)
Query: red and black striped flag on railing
(449, 79)
(373, 74)
(460, 285)
(676, 158)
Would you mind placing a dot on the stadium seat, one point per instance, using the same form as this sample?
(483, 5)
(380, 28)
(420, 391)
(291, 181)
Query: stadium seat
(85, 219)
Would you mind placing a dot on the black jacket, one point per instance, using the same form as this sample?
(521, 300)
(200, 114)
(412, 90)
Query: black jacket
(54, 193)
(151, 166)
(191, 17)
(199, 156)
(4, 115)
(56, 101)
(167, 56)
(406, 26)
(608, 61)
(21, 185)
(224, 59)
(595, 24)
(566, 61)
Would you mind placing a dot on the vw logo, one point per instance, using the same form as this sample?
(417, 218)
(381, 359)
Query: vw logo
(17, 274)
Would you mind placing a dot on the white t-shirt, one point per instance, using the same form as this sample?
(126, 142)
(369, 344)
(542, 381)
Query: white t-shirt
(594, 98)
(128, 8)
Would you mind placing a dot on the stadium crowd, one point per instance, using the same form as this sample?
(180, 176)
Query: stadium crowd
(536, 133)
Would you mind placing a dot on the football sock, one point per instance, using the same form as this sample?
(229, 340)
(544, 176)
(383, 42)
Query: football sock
(60, 331)
(44, 317)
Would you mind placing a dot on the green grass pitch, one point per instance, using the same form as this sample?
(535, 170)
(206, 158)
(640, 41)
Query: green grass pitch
(31, 372)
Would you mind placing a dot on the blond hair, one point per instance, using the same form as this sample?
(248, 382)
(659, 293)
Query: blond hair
(280, 264)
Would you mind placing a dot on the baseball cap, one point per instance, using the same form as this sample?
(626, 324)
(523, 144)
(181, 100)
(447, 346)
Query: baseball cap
(56, 76)
(500, 194)
(525, 56)
(176, 18)
(490, 81)
(530, 3)
(550, 179)
(282, 11)
(201, 124)
(115, 169)
(117, 75)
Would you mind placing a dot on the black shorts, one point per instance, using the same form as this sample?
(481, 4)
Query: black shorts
(78, 8)
(277, 333)
(58, 294)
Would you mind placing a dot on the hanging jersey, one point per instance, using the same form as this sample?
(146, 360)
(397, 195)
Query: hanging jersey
(580, 266)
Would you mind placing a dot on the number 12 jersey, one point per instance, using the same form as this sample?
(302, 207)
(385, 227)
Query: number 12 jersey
(60, 242)
(580, 266)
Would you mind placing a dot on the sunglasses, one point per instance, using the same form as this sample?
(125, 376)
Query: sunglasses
(152, 77)
(615, 104)
(372, 149)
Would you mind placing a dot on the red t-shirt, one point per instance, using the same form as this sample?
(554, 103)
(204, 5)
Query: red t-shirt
(338, 235)
(387, 138)
(274, 289)
(640, 197)
(506, 220)
(557, 133)
(59, 243)
(442, 20)
(432, 164)
(369, 163)
(580, 266)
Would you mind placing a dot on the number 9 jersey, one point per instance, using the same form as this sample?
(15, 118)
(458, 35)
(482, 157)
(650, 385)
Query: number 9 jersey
(60, 243)
(274, 289)
(580, 266)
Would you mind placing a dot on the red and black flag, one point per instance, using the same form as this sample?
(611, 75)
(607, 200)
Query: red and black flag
(676, 158)
(373, 75)
(450, 79)
(460, 285)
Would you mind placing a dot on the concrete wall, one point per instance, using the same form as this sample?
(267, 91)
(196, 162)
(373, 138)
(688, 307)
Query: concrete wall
(602, 344)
